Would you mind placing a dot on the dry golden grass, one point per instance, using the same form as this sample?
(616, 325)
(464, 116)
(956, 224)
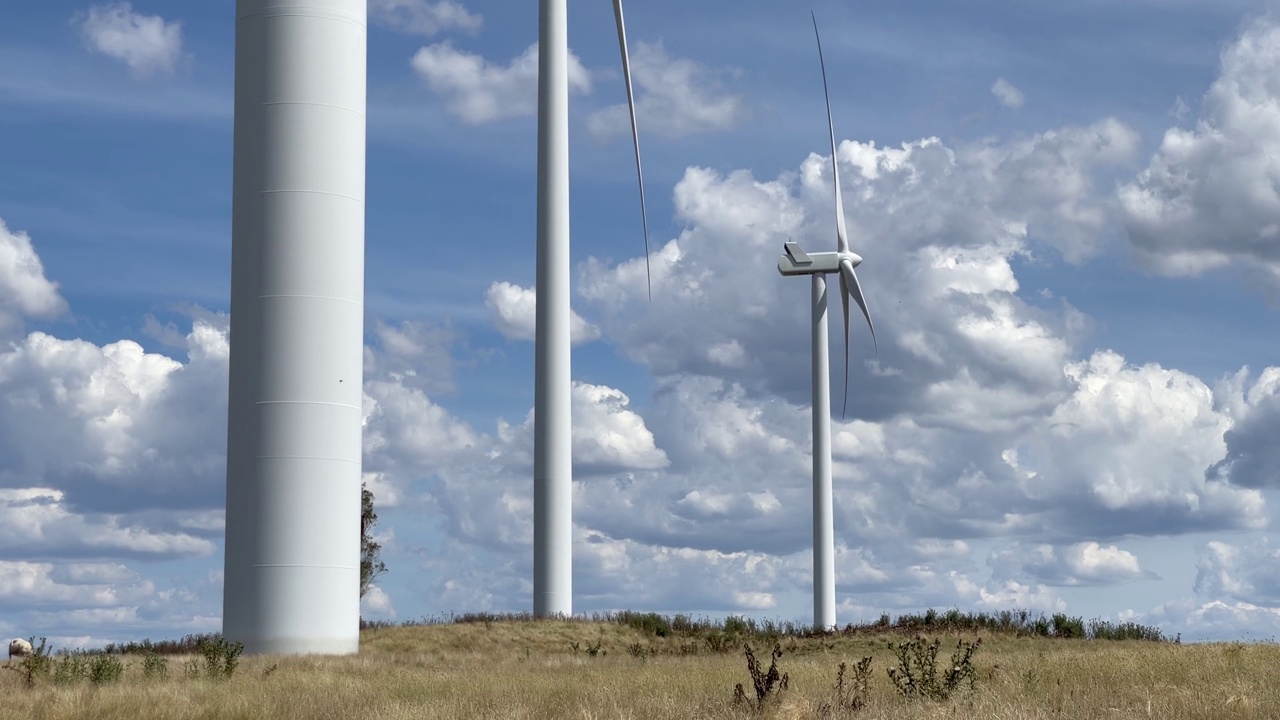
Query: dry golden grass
(530, 670)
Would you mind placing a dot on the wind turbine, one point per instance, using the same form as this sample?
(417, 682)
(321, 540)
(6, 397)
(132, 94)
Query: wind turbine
(552, 387)
(796, 261)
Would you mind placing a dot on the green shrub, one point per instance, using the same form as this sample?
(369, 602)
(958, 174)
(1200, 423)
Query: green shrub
(1067, 627)
(647, 623)
(36, 665)
(1040, 626)
(1105, 630)
(154, 667)
(683, 624)
(718, 642)
(736, 625)
(104, 669)
(220, 657)
(187, 645)
(70, 668)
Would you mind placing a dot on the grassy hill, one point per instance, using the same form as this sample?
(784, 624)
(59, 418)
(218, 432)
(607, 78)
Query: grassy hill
(640, 666)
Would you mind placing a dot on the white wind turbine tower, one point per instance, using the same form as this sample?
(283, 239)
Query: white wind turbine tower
(552, 426)
(842, 262)
(292, 562)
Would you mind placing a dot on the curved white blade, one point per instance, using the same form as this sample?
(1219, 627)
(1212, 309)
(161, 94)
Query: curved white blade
(842, 239)
(851, 278)
(635, 136)
(849, 286)
(844, 301)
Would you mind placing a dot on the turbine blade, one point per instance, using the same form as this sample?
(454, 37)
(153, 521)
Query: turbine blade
(844, 301)
(850, 278)
(635, 136)
(842, 238)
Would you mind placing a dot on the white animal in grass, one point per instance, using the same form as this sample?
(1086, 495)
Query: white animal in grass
(19, 648)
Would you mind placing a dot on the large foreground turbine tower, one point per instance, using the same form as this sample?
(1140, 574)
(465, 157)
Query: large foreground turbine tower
(292, 573)
(552, 385)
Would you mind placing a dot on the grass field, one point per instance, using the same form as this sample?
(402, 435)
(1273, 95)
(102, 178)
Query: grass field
(509, 668)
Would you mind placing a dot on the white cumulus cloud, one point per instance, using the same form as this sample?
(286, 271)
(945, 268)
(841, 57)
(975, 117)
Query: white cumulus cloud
(1086, 563)
(423, 17)
(477, 91)
(1244, 573)
(514, 309)
(147, 44)
(376, 604)
(1253, 456)
(1211, 194)
(25, 292)
(1007, 94)
(675, 97)
(36, 522)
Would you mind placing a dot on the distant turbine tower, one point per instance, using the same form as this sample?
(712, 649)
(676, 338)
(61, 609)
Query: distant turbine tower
(552, 426)
(292, 573)
(842, 261)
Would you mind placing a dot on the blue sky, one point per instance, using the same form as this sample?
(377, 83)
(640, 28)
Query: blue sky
(1068, 214)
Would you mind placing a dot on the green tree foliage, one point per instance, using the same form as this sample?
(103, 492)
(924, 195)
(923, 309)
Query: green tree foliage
(371, 565)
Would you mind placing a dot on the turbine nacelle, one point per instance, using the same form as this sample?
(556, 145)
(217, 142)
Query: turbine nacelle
(797, 262)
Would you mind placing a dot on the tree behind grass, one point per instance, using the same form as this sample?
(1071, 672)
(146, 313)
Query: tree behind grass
(371, 565)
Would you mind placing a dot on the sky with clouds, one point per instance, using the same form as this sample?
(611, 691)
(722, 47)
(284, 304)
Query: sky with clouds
(1070, 219)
